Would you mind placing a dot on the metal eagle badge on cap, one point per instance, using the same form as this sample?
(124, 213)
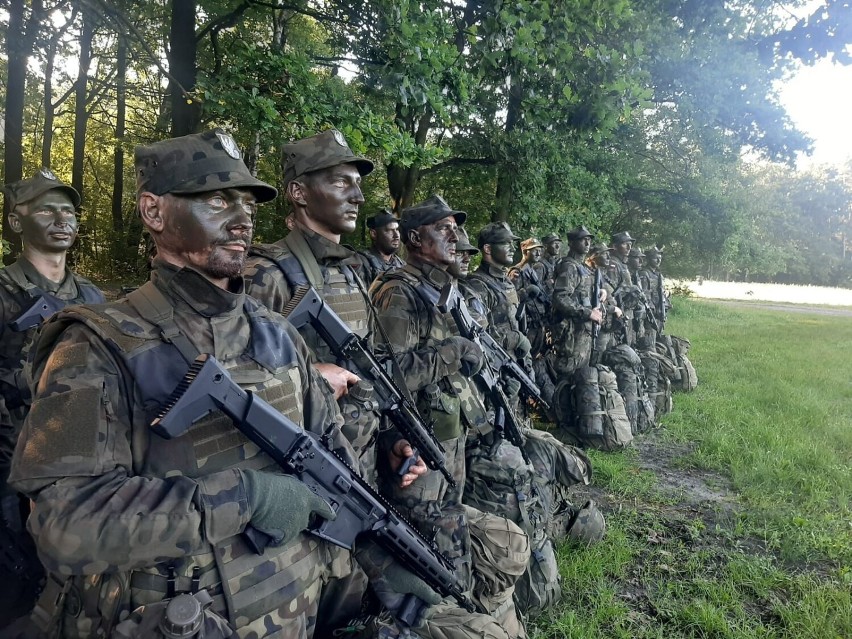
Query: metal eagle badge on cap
(229, 145)
(48, 174)
(338, 137)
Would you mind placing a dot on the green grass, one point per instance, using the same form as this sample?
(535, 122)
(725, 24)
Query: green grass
(772, 419)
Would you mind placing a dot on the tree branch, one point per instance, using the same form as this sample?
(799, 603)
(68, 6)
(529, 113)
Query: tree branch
(458, 162)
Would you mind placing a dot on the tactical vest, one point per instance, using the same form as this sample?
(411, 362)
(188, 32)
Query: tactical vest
(582, 294)
(246, 587)
(15, 344)
(338, 285)
(504, 313)
(449, 398)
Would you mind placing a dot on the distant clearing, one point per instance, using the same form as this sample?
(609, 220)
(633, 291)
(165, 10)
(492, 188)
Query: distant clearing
(789, 293)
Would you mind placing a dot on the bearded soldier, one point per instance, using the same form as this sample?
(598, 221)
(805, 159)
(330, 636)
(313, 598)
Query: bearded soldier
(124, 517)
(43, 213)
(383, 254)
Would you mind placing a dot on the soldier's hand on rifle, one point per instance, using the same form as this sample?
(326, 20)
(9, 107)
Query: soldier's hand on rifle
(391, 582)
(338, 378)
(397, 455)
(533, 292)
(596, 316)
(462, 350)
(281, 505)
(617, 311)
(603, 295)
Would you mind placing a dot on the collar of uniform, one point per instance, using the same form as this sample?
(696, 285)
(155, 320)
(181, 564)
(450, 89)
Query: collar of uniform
(48, 286)
(324, 249)
(497, 272)
(199, 293)
(435, 276)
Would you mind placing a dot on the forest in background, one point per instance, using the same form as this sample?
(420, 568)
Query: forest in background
(657, 116)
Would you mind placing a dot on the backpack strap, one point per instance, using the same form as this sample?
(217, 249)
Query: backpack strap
(153, 306)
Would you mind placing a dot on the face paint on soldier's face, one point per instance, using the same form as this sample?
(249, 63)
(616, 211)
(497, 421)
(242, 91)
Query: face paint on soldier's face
(655, 260)
(332, 197)
(386, 238)
(580, 246)
(438, 242)
(554, 247)
(634, 263)
(534, 256)
(602, 259)
(622, 249)
(503, 254)
(209, 232)
(47, 223)
(461, 267)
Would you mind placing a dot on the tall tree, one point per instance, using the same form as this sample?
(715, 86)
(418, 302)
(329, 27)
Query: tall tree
(21, 35)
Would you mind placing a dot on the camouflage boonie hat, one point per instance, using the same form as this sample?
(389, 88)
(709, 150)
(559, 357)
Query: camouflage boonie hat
(636, 252)
(380, 219)
(530, 244)
(464, 245)
(496, 233)
(621, 238)
(196, 163)
(550, 237)
(428, 211)
(44, 180)
(320, 151)
(579, 233)
(597, 249)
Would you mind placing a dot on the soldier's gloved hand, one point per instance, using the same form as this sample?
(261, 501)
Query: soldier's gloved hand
(391, 582)
(281, 505)
(533, 292)
(511, 387)
(462, 352)
(523, 347)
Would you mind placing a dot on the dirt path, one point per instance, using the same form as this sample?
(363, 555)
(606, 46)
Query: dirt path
(784, 308)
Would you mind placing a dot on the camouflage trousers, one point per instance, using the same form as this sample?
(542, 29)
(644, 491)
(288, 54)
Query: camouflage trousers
(500, 551)
(571, 349)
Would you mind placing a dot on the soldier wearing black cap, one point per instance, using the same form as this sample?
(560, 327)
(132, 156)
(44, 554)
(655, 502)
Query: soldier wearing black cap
(43, 213)
(653, 284)
(123, 517)
(383, 255)
(438, 367)
(573, 306)
(493, 286)
(626, 293)
(600, 257)
(552, 254)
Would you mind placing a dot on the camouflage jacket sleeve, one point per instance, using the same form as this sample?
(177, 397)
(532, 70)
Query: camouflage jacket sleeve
(403, 318)
(565, 300)
(92, 513)
(266, 283)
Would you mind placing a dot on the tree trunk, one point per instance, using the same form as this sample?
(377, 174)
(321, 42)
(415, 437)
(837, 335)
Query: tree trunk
(402, 180)
(506, 172)
(182, 66)
(47, 138)
(118, 154)
(18, 51)
(81, 119)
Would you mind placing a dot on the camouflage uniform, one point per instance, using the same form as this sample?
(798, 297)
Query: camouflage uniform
(652, 282)
(21, 285)
(546, 267)
(143, 506)
(374, 264)
(572, 307)
(405, 305)
(272, 273)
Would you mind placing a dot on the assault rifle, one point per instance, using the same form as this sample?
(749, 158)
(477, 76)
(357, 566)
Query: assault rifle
(504, 417)
(42, 308)
(661, 294)
(360, 509)
(306, 306)
(596, 299)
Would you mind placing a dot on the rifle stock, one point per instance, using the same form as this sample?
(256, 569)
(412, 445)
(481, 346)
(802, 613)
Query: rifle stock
(360, 510)
(306, 306)
(41, 309)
